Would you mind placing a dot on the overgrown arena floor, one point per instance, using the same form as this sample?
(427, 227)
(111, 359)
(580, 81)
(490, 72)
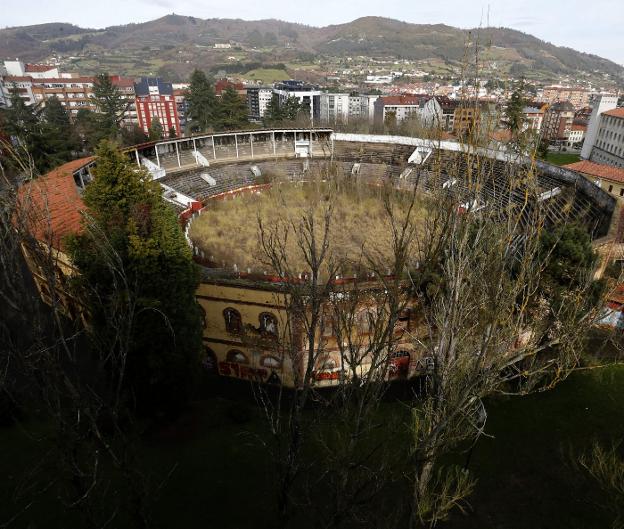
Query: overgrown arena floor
(228, 231)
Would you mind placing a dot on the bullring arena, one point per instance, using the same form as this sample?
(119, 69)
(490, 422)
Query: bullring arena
(207, 178)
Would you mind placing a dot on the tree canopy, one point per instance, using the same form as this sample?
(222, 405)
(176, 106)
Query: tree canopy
(127, 219)
(201, 101)
(232, 110)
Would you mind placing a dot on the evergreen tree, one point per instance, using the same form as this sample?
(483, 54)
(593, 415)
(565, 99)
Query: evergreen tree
(58, 133)
(202, 102)
(23, 125)
(515, 110)
(143, 232)
(155, 131)
(133, 135)
(110, 104)
(232, 110)
(88, 128)
(292, 108)
(172, 133)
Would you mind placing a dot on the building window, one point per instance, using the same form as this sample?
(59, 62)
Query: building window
(233, 321)
(209, 360)
(268, 324)
(236, 356)
(622, 191)
(610, 189)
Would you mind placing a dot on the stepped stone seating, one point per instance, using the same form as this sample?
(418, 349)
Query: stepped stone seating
(508, 188)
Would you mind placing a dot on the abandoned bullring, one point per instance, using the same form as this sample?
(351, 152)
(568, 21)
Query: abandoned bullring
(262, 208)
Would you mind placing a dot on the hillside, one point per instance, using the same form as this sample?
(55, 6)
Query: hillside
(174, 44)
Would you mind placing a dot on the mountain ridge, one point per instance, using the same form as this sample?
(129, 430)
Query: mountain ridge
(277, 40)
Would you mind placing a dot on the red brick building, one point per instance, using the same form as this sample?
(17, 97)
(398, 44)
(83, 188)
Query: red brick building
(155, 99)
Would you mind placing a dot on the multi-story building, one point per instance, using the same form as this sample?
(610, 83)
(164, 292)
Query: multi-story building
(155, 99)
(601, 103)
(74, 92)
(258, 98)
(465, 120)
(575, 135)
(578, 97)
(36, 71)
(334, 108)
(362, 107)
(608, 147)
(308, 95)
(21, 85)
(557, 122)
(399, 108)
(533, 115)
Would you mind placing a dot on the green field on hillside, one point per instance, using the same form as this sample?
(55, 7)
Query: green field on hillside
(266, 75)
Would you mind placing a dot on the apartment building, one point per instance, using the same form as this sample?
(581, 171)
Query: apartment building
(533, 115)
(557, 122)
(258, 98)
(399, 108)
(41, 82)
(601, 103)
(334, 108)
(155, 99)
(578, 97)
(608, 147)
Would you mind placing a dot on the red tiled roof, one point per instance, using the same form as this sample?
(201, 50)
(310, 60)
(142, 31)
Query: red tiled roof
(53, 203)
(17, 78)
(579, 126)
(403, 100)
(68, 80)
(222, 84)
(123, 81)
(600, 170)
(39, 67)
(615, 113)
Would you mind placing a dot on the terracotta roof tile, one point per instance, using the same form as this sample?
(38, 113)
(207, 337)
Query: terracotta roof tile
(615, 113)
(39, 67)
(608, 172)
(54, 204)
(404, 99)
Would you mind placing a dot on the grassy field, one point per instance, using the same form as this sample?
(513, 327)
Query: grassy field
(221, 471)
(266, 75)
(228, 233)
(562, 158)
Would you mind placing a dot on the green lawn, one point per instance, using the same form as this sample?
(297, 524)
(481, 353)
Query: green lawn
(562, 158)
(267, 75)
(221, 471)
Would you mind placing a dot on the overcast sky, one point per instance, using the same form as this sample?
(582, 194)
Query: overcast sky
(595, 26)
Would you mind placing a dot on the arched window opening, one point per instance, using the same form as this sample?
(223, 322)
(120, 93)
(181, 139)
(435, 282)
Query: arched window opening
(268, 324)
(236, 356)
(233, 321)
(271, 361)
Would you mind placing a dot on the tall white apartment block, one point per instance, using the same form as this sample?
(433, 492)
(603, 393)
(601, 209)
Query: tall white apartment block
(601, 103)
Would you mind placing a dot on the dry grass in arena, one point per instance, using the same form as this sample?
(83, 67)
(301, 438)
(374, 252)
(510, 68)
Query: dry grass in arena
(228, 233)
